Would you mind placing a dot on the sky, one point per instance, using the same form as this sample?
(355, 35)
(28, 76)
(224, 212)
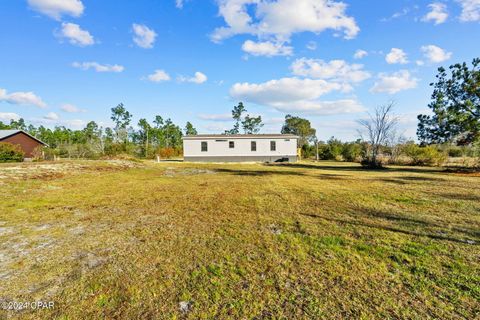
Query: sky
(66, 62)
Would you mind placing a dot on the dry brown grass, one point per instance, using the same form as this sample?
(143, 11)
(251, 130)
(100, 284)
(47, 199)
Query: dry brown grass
(178, 240)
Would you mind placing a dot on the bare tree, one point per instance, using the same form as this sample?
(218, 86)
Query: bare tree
(377, 129)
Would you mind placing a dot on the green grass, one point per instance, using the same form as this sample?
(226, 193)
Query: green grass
(327, 240)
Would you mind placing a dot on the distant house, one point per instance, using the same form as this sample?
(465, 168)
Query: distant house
(27, 142)
(240, 148)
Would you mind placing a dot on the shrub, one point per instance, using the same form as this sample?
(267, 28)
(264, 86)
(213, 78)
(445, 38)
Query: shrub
(166, 153)
(455, 152)
(10, 152)
(351, 151)
(424, 156)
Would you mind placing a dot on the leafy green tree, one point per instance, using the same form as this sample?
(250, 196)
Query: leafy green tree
(190, 129)
(237, 113)
(122, 118)
(252, 125)
(455, 106)
(18, 124)
(91, 132)
(144, 135)
(300, 127)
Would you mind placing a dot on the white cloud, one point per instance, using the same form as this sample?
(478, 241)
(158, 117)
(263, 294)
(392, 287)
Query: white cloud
(216, 117)
(198, 78)
(22, 98)
(420, 62)
(395, 82)
(280, 19)
(360, 54)
(57, 8)
(266, 48)
(76, 35)
(396, 56)
(144, 36)
(51, 116)
(98, 67)
(294, 95)
(7, 116)
(435, 54)
(335, 70)
(397, 14)
(311, 45)
(470, 10)
(179, 4)
(438, 13)
(70, 108)
(159, 76)
(50, 120)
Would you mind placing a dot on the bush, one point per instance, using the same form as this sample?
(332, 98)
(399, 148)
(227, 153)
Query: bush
(168, 153)
(424, 156)
(10, 152)
(455, 152)
(352, 151)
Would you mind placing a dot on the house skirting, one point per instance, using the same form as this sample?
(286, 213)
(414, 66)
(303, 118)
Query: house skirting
(241, 159)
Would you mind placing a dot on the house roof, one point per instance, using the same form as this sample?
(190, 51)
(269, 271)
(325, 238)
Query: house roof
(240, 136)
(8, 133)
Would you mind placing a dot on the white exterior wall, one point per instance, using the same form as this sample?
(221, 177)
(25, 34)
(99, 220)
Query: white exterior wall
(193, 148)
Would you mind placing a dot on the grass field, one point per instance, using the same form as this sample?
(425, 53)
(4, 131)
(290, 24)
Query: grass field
(176, 240)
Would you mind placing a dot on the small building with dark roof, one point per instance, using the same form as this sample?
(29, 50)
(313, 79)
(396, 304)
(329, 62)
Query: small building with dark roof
(27, 142)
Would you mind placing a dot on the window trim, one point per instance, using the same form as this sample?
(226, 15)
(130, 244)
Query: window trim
(204, 143)
(273, 145)
(231, 144)
(253, 146)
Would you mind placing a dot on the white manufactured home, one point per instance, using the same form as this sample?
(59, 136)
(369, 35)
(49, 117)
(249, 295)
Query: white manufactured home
(240, 148)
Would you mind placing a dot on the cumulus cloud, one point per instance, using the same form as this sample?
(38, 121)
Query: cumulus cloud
(295, 95)
(98, 67)
(395, 82)
(470, 10)
(280, 19)
(159, 76)
(76, 35)
(435, 54)
(360, 54)
(198, 78)
(266, 48)
(51, 116)
(57, 8)
(144, 37)
(395, 56)
(70, 108)
(438, 13)
(335, 70)
(22, 98)
(7, 116)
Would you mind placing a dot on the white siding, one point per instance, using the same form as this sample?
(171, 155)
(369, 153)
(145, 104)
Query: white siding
(216, 148)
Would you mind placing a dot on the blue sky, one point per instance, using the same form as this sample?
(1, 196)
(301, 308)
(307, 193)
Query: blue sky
(64, 62)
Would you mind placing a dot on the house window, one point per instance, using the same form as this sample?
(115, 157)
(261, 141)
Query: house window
(204, 146)
(273, 146)
(231, 144)
(253, 145)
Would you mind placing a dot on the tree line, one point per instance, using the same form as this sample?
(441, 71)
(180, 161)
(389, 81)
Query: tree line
(452, 129)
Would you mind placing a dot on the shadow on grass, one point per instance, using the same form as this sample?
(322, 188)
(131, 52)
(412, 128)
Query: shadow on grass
(458, 196)
(260, 172)
(413, 222)
(357, 168)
